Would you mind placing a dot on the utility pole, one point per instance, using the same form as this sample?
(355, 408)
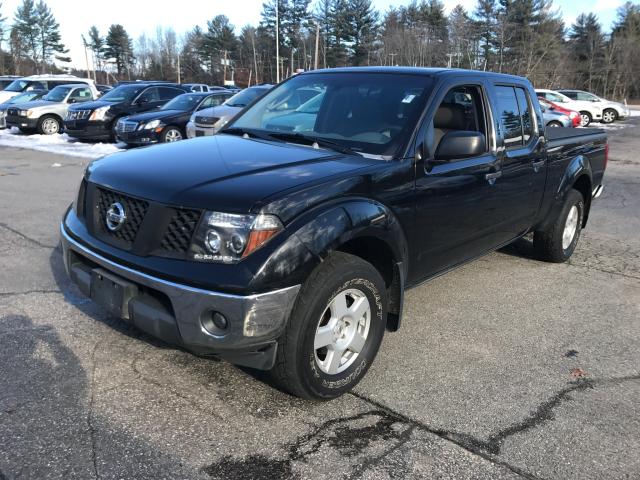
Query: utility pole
(277, 41)
(315, 62)
(255, 61)
(86, 56)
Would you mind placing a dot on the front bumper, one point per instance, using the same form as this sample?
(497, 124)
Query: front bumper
(177, 314)
(139, 137)
(21, 122)
(86, 130)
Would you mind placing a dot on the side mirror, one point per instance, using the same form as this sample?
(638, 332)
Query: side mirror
(142, 100)
(72, 100)
(460, 144)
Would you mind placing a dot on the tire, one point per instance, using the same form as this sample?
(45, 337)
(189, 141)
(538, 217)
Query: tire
(171, 134)
(609, 116)
(341, 281)
(48, 125)
(554, 124)
(558, 243)
(585, 119)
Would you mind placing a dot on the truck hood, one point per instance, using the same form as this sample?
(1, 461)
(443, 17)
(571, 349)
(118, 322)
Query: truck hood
(223, 172)
(4, 95)
(91, 105)
(35, 104)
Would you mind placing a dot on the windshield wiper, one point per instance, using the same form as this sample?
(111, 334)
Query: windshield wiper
(249, 132)
(319, 141)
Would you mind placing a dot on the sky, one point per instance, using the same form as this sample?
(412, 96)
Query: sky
(139, 17)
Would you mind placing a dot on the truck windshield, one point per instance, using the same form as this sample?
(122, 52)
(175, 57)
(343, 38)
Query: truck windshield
(58, 94)
(371, 113)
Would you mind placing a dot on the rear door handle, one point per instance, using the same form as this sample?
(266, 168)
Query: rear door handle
(538, 165)
(493, 176)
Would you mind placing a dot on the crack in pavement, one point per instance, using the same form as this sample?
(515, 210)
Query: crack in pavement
(26, 237)
(488, 449)
(90, 425)
(29, 292)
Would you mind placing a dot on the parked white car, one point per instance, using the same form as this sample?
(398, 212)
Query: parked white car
(44, 82)
(589, 111)
(611, 111)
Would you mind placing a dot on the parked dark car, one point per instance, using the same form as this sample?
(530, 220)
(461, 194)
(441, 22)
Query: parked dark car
(290, 251)
(97, 120)
(15, 101)
(168, 124)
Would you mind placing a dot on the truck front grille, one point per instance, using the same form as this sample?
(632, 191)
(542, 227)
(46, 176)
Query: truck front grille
(150, 228)
(177, 237)
(78, 114)
(135, 211)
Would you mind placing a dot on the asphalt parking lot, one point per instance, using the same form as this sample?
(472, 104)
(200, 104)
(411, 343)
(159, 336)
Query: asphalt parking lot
(505, 368)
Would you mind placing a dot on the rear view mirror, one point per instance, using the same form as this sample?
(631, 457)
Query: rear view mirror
(460, 144)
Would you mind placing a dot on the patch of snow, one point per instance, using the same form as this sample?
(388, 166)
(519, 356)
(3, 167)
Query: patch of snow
(59, 144)
(634, 113)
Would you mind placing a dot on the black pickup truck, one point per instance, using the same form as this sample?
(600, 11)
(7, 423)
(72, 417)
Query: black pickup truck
(289, 248)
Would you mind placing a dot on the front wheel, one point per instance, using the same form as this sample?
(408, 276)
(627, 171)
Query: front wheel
(48, 126)
(171, 134)
(335, 329)
(609, 116)
(554, 124)
(558, 242)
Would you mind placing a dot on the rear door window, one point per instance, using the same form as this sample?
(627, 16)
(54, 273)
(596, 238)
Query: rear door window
(509, 115)
(525, 114)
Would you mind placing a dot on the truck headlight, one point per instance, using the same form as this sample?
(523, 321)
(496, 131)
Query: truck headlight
(99, 113)
(151, 125)
(229, 237)
(25, 113)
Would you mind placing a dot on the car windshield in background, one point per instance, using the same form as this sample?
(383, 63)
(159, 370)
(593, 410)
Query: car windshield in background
(372, 114)
(24, 97)
(124, 93)
(185, 102)
(58, 94)
(245, 97)
(16, 86)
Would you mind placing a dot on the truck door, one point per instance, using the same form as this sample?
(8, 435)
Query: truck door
(521, 151)
(456, 202)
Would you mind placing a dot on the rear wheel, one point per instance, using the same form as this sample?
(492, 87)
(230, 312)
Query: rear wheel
(48, 125)
(558, 242)
(609, 116)
(585, 119)
(554, 124)
(335, 329)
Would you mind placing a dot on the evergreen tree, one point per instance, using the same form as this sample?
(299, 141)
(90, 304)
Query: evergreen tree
(25, 30)
(118, 46)
(485, 15)
(96, 45)
(364, 24)
(587, 45)
(49, 40)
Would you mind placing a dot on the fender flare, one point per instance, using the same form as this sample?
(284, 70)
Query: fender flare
(577, 168)
(336, 224)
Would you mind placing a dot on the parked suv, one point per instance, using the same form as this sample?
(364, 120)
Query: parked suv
(611, 111)
(167, 124)
(43, 82)
(46, 115)
(97, 120)
(17, 100)
(208, 122)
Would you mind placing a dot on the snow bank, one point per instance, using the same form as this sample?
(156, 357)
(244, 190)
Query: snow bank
(58, 144)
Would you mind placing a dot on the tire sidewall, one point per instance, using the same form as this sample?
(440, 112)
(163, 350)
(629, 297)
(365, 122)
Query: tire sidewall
(41, 125)
(613, 112)
(574, 199)
(330, 386)
(588, 117)
(167, 130)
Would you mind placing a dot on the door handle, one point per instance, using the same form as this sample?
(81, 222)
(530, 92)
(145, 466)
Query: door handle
(492, 177)
(538, 165)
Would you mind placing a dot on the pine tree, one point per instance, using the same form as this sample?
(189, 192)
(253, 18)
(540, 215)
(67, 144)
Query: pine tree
(25, 30)
(587, 46)
(96, 45)
(49, 40)
(364, 20)
(485, 16)
(118, 46)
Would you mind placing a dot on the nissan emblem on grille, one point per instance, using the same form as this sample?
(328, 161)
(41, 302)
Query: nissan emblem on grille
(115, 217)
